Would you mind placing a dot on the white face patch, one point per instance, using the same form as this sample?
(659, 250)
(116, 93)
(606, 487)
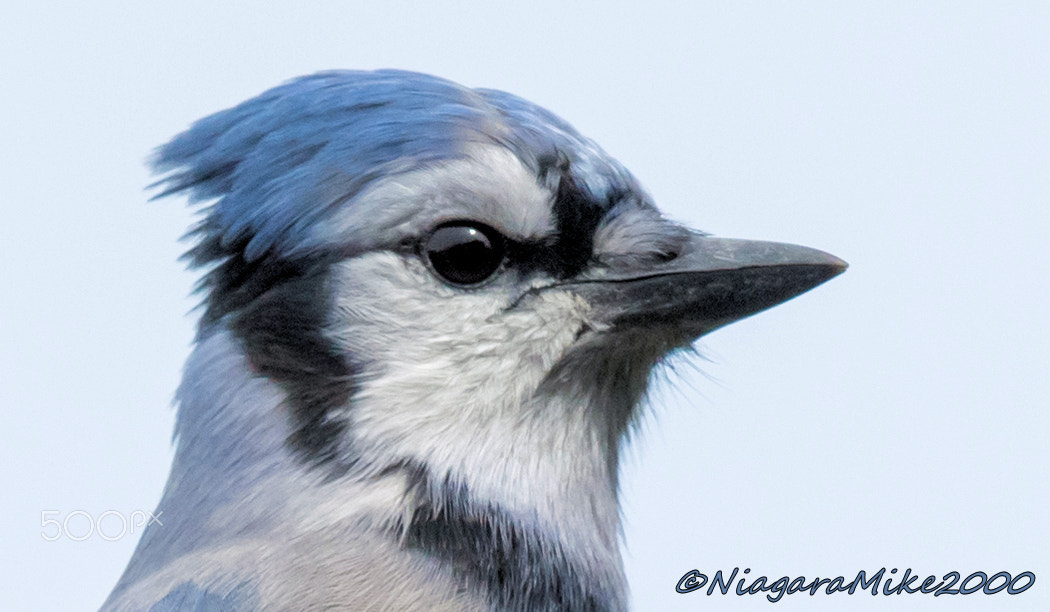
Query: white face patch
(425, 339)
(488, 184)
(448, 378)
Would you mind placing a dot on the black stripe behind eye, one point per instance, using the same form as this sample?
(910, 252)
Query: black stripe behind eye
(281, 330)
(278, 308)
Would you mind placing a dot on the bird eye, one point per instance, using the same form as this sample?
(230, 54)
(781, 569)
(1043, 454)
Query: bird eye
(464, 253)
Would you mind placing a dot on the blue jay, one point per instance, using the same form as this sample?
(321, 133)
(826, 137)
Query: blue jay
(429, 316)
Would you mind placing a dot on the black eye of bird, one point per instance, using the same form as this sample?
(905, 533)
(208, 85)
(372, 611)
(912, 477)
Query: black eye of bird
(464, 253)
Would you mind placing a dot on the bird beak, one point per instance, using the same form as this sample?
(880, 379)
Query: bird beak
(712, 282)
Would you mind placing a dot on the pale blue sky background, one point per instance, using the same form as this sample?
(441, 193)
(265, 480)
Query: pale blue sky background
(895, 417)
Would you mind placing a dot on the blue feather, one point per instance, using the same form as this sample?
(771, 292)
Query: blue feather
(276, 167)
(188, 597)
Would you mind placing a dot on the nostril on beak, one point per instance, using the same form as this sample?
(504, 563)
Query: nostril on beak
(667, 256)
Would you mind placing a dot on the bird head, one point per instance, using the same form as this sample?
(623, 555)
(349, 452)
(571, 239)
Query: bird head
(450, 295)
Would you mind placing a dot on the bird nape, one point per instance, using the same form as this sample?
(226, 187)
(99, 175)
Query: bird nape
(429, 315)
